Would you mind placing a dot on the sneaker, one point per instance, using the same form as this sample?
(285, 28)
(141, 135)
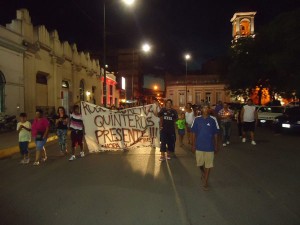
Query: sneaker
(227, 142)
(81, 154)
(72, 158)
(224, 144)
(253, 142)
(36, 163)
(26, 161)
(162, 158)
(243, 140)
(168, 157)
(22, 161)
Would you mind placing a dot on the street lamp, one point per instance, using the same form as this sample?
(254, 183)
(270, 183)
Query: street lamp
(186, 57)
(144, 49)
(126, 2)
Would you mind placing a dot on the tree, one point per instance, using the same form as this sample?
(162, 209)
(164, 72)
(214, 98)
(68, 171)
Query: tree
(270, 60)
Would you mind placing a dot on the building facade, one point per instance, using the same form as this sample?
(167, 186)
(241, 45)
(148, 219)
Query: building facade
(196, 89)
(45, 72)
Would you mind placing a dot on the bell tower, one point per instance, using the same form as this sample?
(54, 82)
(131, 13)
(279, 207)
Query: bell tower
(243, 25)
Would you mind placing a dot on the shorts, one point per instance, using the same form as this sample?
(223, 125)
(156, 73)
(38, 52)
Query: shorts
(205, 159)
(167, 139)
(249, 126)
(23, 145)
(181, 132)
(40, 144)
(76, 137)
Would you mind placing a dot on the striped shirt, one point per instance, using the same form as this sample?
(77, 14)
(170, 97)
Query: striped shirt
(76, 122)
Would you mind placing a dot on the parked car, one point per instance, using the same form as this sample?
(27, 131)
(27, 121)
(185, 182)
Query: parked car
(289, 121)
(267, 114)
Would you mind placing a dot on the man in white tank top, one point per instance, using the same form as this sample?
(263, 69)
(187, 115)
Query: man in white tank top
(249, 120)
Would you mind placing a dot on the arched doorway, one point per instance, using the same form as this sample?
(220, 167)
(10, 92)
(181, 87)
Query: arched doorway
(2, 92)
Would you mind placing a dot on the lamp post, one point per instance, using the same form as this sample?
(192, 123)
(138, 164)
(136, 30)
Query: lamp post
(186, 57)
(126, 2)
(145, 49)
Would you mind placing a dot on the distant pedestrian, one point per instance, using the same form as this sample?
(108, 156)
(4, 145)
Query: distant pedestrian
(239, 122)
(189, 118)
(225, 116)
(40, 129)
(77, 132)
(168, 117)
(61, 124)
(24, 130)
(249, 119)
(218, 107)
(205, 129)
(181, 128)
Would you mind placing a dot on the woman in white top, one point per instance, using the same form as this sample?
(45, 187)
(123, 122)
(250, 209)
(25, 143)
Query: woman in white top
(189, 119)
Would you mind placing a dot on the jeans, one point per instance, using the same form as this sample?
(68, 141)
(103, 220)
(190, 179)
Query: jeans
(226, 129)
(62, 139)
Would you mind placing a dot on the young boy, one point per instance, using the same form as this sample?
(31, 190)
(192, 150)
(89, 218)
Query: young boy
(181, 127)
(24, 128)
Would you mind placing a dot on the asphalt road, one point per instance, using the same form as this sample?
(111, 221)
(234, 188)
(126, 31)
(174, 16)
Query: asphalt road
(250, 185)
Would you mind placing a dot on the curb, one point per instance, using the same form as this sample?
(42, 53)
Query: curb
(7, 152)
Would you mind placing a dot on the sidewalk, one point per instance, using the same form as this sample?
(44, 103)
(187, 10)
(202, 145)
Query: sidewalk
(9, 143)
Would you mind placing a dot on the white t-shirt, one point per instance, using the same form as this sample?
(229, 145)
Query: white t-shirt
(24, 135)
(189, 117)
(249, 115)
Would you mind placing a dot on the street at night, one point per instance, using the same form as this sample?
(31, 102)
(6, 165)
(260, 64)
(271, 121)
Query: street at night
(249, 185)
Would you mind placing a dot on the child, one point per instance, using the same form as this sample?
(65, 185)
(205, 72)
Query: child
(181, 128)
(24, 128)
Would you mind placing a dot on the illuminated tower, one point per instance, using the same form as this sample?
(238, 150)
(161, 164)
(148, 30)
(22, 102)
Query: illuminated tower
(243, 25)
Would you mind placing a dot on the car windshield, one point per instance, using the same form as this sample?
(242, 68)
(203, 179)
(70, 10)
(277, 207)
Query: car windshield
(271, 109)
(293, 111)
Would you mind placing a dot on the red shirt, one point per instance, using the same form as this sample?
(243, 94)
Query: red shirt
(39, 125)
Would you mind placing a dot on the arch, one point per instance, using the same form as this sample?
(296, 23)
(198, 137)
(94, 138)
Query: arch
(81, 90)
(2, 92)
(245, 26)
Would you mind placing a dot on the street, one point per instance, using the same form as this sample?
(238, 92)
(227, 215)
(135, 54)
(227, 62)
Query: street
(249, 185)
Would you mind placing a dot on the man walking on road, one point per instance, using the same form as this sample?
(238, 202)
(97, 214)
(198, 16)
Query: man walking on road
(249, 120)
(205, 139)
(168, 117)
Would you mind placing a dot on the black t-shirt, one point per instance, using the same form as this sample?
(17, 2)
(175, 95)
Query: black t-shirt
(60, 124)
(168, 117)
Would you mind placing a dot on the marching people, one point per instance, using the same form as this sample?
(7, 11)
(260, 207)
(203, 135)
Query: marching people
(61, 124)
(181, 127)
(24, 130)
(40, 129)
(225, 117)
(205, 143)
(189, 118)
(249, 120)
(77, 132)
(168, 117)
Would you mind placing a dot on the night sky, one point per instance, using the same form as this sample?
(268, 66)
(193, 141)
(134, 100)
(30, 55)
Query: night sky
(173, 27)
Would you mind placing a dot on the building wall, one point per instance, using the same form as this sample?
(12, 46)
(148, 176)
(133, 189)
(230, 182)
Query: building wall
(37, 52)
(11, 67)
(196, 89)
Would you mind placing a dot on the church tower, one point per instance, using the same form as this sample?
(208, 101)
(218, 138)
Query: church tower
(243, 25)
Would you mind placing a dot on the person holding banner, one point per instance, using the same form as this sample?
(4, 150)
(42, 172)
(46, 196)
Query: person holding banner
(77, 131)
(168, 117)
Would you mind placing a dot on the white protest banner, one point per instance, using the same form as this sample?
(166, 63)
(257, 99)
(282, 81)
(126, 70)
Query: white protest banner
(130, 128)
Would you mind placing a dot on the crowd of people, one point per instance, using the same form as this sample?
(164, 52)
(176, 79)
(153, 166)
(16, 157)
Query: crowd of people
(202, 125)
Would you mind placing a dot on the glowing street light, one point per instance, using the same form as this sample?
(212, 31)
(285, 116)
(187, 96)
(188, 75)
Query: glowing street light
(146, 47)
(155, 87)
(187, 57)
(128, 2)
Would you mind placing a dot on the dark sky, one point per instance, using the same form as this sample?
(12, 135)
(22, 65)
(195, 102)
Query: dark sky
(173, 27)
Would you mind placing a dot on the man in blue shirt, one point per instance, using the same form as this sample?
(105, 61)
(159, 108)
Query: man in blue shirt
(205, 139)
